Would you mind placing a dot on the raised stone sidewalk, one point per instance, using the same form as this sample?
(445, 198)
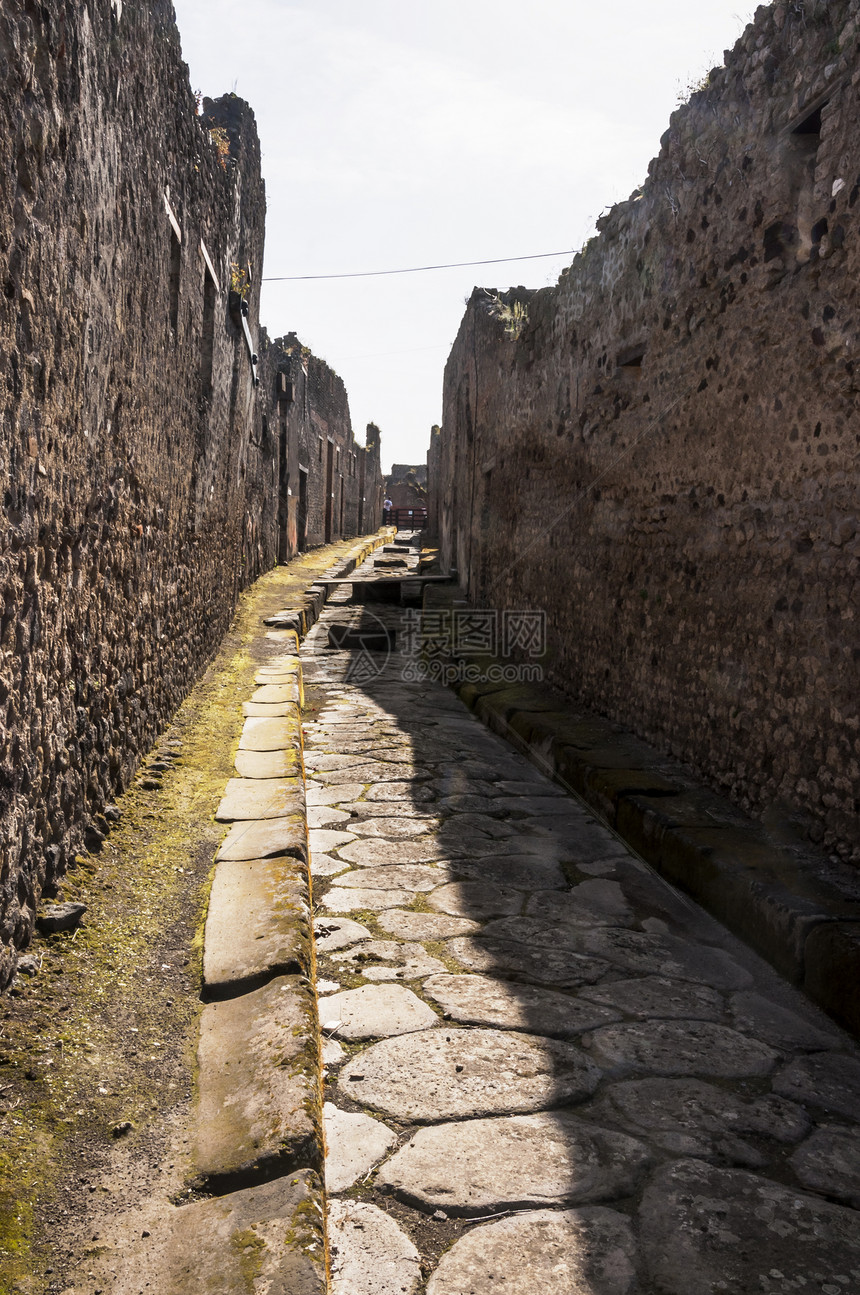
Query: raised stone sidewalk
(254, 1142)
(795, 906)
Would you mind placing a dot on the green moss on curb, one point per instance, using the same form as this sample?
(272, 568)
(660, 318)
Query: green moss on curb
(108, 1028)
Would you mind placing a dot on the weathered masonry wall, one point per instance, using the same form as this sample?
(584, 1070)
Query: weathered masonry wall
(329, 485)
(140, 451)
(662, 450)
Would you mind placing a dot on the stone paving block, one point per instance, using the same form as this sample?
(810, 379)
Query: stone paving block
(331, 1052)
(525, 872)
(323, 840)
(658, 996)
(705, 1229)
(271, 678)
(323, 865)
(394, 829)
(265, 838)
(463, 827)
(549, 906)
(667, 955)
(278, 693)
(288, 639)
(319, 816)
(414, 876)
(780, 1027)
(544, 965)
(476, 899)
(252, 798)
(829, 1162)
(505, 1004)
(830, 1080)
(463, 802)
(375, 1011)
(687, 1117)
(271, 710)
(347, 791)
(209, 1247)
(257, 1105)
(588, 1251)
(339, 900)
(364, 770)
(271, 734)
(370, 1254)
(258, 922)
(397, 791)
(484, 1165)
(269, 764)
(331, 763)
(454, 1074)
(363, 810)
(332, 933)
(681, 1048)
(390, 960)
(354, 1144)
(369, 853)
(405, 925)
(289, 666)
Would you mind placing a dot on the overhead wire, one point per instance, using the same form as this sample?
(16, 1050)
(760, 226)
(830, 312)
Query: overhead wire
(414, 269)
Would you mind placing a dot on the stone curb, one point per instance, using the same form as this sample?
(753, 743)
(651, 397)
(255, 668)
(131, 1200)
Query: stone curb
(257, 1125)
(787, 901)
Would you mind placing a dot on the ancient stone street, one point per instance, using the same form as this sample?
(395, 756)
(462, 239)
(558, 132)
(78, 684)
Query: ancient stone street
(545, 1069)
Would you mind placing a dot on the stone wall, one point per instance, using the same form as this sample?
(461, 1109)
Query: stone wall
(329, 484)
(661, 451)
(140, 430)
(406, 486)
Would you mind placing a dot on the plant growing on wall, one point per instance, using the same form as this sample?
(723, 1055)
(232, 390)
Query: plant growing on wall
(239, 281)
(514, 316)
(221, 140)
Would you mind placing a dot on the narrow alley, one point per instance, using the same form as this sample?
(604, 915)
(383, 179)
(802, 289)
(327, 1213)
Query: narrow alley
(545, 1069)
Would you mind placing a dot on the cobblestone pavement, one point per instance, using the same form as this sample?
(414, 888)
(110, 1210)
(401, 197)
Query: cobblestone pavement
(546, 1069)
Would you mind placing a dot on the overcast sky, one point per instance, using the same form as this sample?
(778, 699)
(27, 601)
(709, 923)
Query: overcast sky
(398, 134)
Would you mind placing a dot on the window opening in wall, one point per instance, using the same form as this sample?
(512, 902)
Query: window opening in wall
(629, 361)
(811, 125)
(175, 271)
(795, 237)
(321, 448)
(302, 518)
(329, 491)
(207, 344)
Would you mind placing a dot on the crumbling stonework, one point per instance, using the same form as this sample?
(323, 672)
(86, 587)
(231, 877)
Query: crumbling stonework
(142, 469)
(661, 451)
(406, 485)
